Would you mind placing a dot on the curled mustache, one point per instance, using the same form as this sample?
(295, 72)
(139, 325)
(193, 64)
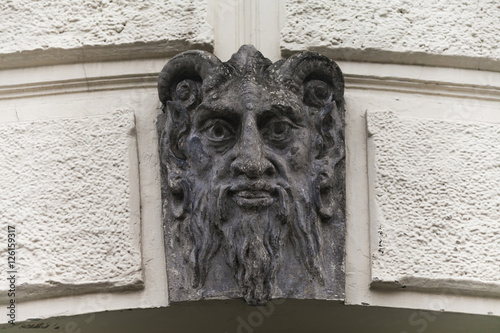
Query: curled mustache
(224, 192)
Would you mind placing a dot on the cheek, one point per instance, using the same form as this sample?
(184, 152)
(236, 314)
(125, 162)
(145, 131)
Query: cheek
(299, 157)
(204, 162)
(199, 158)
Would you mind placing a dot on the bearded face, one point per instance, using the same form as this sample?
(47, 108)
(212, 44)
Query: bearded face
(248, 178)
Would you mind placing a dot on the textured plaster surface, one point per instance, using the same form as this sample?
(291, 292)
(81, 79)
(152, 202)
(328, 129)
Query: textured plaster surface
(434, 32)
(40, 32)
(67, 187)
(28, 25)
(435, 203)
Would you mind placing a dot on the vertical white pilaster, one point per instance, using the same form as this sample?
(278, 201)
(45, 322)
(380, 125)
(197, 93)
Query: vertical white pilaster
(238, 22)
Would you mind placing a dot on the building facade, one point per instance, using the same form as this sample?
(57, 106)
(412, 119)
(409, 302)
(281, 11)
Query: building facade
(80, 177)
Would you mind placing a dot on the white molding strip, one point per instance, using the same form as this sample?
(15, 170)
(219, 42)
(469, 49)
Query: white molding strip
(149, 80)
(92, 53)
(423, 87)
(104, 83)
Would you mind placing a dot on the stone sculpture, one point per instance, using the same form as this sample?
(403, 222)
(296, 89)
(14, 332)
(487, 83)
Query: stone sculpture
(253, 176)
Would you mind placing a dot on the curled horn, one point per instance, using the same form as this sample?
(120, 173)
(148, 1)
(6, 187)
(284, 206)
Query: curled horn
(180, 91)
(178, 75)
(320, 83)
(316, 76)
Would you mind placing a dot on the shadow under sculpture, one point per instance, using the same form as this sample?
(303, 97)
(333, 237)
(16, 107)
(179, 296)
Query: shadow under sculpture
(253, 176)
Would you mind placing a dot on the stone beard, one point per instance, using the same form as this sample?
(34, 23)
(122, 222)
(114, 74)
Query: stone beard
(253, 176)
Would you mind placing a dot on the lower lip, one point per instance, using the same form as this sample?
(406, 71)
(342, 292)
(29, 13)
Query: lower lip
(253, 198)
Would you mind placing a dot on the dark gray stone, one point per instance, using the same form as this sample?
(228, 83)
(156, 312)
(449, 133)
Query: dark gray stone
(253, 176)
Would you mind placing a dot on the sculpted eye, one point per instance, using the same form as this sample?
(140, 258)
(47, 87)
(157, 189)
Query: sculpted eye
(278, 130)
(218, 130)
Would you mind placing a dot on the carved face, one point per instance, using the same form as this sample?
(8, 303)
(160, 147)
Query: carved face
(252, 157)
(243, 137)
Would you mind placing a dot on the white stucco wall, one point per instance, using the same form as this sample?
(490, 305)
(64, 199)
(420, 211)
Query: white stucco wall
(444, 33)
(89, 116)
(435, 205)
(76, 82)
(69, 187)
(415, 95)
(70, 31)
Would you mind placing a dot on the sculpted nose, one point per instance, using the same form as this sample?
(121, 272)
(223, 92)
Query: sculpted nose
(251, 157)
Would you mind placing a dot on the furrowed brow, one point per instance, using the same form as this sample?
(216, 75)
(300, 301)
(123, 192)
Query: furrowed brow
(286, 110)
(204, 113)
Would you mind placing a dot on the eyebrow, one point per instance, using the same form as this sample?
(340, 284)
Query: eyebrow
(214, 111)
(286, 110)
(211, 111)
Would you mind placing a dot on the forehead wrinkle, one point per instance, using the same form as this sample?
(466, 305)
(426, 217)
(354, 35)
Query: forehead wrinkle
(250, 91)
(218, 108)
(287, 110)
(208, 110)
